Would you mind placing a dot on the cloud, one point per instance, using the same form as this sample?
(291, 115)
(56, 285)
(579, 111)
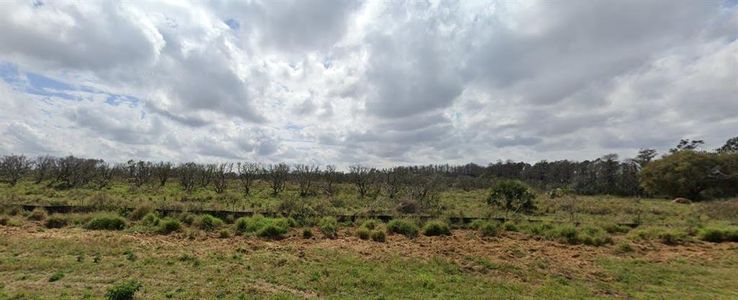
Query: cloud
(374, 82)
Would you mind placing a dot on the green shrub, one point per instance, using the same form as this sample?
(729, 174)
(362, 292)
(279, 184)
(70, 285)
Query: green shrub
(307, 233)
(169, 225)
(151, 219)
(106, 222)
(264, 227)
(224, 234)
(623, 247)
(718, 235)
(123, 291)
(490, 229)
(403, 227)
(593, 236)
(363, 233)
(208, 223)
(614, 228)
(38, 214)
(665, 235)
(436, 228)
(329, 227)
(509, 226)
(370, 224)
(140, 212)
(378, 236)
(186, 218)
(55, 221)
(271, 231)
(477, 224)
(56, 276)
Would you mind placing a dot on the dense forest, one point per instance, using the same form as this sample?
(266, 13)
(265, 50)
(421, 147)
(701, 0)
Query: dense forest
(685, 171)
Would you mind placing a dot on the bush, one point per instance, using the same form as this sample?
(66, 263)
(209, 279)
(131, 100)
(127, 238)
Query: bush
(378, 236)
(151, 219)
(38, 214)
(509, 226)
(329, 227)
(476, 224)
(140, 212)
(664, 235)
(186, 218)
(123, 291)
(512, 196)
(169, 225)
(106, 223)
(490, 229)
(55, 221)
(370, 224)
(436, 228)
(614, 228)
(208, 223)
(587, 235)
(272, 228)
(403, 227)
(271, 231)
(719, 235)
(363, 233)
(307, 233)
(224, 234)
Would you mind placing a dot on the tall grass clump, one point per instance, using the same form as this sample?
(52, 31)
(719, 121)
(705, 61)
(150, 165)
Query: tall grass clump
(123, 291)
(208, 222)
(329, 227)
(489, 229)
(38, 214)
(151, 219)
(587, 235)
(718, 235)
(273, 228)
(140, 212)
(436, 228)
(55, 221)
(106, 222)
(169, 225)
(404, 227)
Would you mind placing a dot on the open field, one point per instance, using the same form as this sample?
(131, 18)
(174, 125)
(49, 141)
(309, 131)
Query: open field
(567, 248)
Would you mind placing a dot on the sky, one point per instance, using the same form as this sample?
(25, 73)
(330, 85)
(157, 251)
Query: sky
(365, 82)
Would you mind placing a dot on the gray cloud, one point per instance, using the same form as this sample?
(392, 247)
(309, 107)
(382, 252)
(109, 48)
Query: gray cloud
(374, 82)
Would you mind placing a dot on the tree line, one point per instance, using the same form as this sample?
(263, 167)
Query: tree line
(684, 171)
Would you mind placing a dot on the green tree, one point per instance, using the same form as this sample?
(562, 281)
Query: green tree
(731, 146)
(684, 173)
(512, 196)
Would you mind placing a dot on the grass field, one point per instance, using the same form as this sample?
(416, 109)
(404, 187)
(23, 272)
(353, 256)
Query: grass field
(574, 249)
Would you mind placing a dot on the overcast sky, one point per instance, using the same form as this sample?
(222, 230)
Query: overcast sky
(372, 82)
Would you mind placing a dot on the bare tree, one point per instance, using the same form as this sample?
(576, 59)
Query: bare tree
(306, 175)
(43, 166)
(104, 174)
(393, 180)
(361, 177)
(162, 171)
(188, 176)
(425, 189)
(70, 172)
(206, 174)
(330, 176)
(13, 168)
(140, 172)
(220, 176)
(247, 173)
(277, 174)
